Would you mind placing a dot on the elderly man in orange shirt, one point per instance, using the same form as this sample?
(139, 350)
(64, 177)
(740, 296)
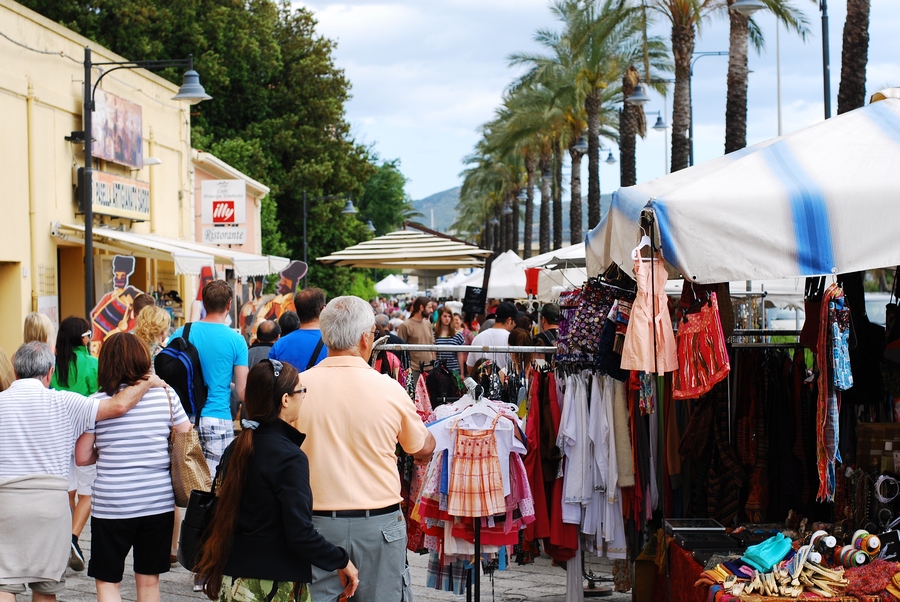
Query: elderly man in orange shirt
(353, 418)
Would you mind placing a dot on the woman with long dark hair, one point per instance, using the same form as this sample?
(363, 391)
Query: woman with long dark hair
(262, 542)
(76, 370)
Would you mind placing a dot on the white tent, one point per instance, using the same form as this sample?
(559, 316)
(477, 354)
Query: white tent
(447, 287)
(393, 285)
(566, 257)
(819, 201)
(507, 277)
(476, 278)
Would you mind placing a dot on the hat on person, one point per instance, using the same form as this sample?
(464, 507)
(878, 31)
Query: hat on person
(550, 312)
(505, 311)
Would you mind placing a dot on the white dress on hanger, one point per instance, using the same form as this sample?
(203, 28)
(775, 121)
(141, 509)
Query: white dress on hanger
(574, 443)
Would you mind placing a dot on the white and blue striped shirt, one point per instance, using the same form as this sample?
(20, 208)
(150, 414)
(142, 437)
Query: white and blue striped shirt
(133, 477)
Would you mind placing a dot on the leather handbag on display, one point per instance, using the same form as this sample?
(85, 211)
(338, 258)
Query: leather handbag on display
(188, 466)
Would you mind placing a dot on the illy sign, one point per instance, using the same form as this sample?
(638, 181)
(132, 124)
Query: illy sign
(224, 202)
(223, 212)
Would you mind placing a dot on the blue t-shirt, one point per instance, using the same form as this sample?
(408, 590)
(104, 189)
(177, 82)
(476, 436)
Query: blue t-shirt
(296, 348)
(220, 349)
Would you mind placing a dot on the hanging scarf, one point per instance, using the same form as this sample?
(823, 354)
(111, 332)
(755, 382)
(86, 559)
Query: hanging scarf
(828, 404)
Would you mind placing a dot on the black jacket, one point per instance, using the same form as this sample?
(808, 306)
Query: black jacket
(275, 538)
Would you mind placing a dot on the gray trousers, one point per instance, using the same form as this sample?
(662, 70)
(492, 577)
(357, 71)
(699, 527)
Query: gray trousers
(377, 546)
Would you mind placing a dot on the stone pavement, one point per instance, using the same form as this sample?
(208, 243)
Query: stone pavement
(538, 582)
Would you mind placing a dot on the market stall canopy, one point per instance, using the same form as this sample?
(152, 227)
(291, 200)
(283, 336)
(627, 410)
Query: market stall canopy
(409, 250)
(189, 257)
(507, 279)
(393, 285)
(447, 286)
(822, 200)
(566, 257)
(476, 279)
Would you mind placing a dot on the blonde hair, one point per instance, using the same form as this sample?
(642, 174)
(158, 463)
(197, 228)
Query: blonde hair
(38, 327)
(7, 374)
(151, 322)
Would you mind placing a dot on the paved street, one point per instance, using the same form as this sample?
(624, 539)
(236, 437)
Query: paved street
(538, 582)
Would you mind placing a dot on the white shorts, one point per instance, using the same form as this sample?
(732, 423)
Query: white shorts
(81, 478)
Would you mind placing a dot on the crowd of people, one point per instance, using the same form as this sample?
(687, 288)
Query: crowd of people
(308, 490)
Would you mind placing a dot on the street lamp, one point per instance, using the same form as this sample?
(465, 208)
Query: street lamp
(826, 60)
(190, 91)
(610, 159)
(697, 57)
(638, 97)
(581, 146)
(349, 209)
(523, 195)
(370, 226)
(747, 7)
(660, 124)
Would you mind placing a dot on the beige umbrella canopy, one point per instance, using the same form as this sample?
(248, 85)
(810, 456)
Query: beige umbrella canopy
(410, 250)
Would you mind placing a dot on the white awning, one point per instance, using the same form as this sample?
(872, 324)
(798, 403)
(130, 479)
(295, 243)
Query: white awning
(186, 261)
(189, 257)
(409, 249)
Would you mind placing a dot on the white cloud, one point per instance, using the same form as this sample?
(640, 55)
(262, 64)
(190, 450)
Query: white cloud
(425, 75)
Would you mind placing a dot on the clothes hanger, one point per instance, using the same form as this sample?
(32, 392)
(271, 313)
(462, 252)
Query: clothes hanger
(644, 242)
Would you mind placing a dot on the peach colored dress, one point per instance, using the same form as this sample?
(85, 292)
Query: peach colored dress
(638, 350)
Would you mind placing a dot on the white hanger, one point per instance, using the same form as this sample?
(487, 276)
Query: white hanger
(645, 242)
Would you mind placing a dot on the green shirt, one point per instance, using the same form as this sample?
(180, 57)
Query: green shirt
(82, 374)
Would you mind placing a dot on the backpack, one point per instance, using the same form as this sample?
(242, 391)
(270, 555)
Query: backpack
(179, 365)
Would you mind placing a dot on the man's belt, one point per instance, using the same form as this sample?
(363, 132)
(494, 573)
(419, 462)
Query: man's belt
(357, 513)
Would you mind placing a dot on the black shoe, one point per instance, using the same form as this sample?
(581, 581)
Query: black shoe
(76, 557)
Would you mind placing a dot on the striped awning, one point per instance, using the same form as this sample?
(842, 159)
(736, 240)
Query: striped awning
(409, 250)
(822, 200)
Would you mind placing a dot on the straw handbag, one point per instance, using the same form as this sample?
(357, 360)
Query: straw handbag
(188, 466)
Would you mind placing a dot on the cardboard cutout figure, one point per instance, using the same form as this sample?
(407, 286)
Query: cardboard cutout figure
(113, 313)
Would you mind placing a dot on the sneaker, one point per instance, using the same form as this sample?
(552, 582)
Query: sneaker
(76, 557)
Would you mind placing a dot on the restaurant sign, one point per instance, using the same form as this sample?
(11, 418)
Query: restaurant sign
(224, 236)
(223, 202)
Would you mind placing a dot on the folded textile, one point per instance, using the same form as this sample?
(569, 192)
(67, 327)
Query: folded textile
(765, 555)
(35, 528)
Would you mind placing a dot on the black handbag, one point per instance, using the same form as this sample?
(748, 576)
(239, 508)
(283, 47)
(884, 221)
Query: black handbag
(198, 517)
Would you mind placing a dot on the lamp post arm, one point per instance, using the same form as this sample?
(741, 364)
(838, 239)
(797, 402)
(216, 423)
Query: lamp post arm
(149, 65)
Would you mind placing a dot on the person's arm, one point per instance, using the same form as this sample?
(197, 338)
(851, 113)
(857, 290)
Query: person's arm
(240, 380)
(127, 398)
(85, 454)
(427, 449)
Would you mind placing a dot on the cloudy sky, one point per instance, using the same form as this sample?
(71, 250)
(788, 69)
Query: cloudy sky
(427, 73)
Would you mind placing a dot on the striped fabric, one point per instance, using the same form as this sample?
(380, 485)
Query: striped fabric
(39, 427)
(450, 358)
(133, 476)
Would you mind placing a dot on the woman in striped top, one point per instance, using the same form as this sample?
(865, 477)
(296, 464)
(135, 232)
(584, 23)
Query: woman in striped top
(133, 499)
(446, 334)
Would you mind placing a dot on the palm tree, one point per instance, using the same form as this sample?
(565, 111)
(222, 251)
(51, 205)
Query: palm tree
(743, 30)
(631, 123)
(686, 17)
(852, 91)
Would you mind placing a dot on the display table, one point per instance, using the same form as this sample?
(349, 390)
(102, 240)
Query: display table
(684, 572)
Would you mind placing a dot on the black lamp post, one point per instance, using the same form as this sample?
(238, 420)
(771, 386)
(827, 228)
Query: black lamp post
(190, 90)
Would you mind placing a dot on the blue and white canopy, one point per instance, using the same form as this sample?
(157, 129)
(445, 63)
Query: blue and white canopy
(823, 200)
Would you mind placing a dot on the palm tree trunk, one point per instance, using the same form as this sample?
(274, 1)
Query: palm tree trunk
(683, 50)
(544, 221)
(557, 195)
(544, 225)
(627, 133)
(592, 108)
(530, 167)
(575, 233)
(852, 91)
(736, 104)
(515, 223)
(487, 242)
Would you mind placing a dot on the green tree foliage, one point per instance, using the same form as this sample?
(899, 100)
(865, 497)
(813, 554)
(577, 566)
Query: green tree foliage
(277, 112)
(384, 201)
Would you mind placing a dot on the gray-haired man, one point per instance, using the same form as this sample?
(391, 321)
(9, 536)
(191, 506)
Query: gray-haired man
(38, 429)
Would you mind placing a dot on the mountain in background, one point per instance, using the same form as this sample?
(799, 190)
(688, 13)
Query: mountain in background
(441, 208)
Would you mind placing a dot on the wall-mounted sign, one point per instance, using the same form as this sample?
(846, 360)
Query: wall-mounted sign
(117, 130)
(118, 196)
(224, 202)
(224, 236)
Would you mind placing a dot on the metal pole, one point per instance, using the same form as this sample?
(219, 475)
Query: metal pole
(305, 275)
(697, 56)
(778, 70)
(87, 196)
(826, 61)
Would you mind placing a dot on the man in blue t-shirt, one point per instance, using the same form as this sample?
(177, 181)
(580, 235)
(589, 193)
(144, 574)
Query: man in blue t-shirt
(223, 357)
(298, 347)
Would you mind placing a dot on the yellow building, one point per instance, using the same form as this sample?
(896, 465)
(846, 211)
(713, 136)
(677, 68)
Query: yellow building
(144, 182)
